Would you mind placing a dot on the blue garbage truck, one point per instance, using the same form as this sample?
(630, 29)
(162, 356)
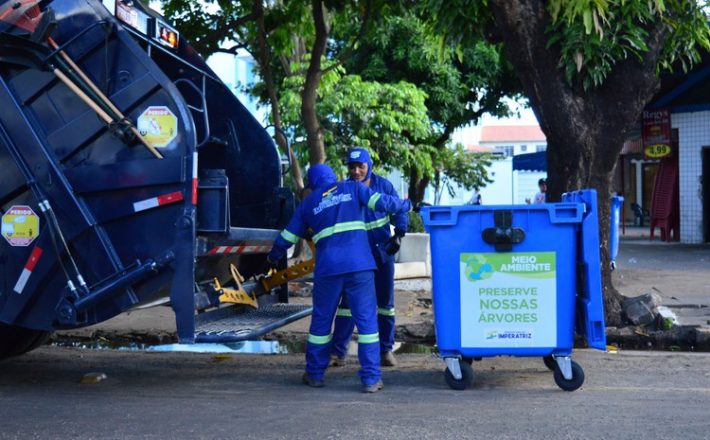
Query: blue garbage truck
(130, 176)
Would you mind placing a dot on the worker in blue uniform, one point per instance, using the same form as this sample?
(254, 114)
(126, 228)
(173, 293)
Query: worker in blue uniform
(383, 246)
(344, 265)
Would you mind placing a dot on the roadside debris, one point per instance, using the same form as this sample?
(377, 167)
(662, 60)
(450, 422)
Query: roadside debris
(93, 378)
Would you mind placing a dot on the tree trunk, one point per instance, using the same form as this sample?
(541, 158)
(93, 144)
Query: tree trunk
(267, 75)
(585, 130)
(314, 132)
(417, 186)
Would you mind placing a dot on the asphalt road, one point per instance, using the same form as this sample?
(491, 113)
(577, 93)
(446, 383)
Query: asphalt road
(629, 395)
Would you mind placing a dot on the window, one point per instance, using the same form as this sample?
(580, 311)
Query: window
(539, 148)
(507, 150)
(523, 148)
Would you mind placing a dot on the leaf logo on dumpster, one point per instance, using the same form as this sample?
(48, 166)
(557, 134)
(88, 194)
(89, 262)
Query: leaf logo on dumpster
(478, 268)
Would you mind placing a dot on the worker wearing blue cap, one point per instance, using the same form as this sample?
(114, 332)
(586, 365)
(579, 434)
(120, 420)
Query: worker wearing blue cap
(344, 265)
(383, 245)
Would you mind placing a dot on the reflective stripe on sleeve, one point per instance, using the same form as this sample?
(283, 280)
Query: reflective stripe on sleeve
(373, 200)
(385, 312)
(368, 338)
(319, 340)
(378, 223)
(339, 227)
(343, 312)
(288, 236)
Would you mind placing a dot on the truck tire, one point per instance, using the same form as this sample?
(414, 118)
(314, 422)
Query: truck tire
(15, 341)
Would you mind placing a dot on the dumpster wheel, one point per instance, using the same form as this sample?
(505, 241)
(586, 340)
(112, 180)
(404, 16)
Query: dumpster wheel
(466, 377)
(550, 362)
(572, 384)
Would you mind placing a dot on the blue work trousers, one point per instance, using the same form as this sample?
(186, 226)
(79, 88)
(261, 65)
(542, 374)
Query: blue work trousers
(358, 288)
(384, 288)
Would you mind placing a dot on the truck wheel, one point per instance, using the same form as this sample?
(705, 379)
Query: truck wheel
(572, 384)
(466, 377)
(16, 340)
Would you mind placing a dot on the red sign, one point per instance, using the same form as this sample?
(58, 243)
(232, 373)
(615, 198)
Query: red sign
(656, 133)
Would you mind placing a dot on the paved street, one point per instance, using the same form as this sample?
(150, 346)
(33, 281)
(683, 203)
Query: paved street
(631, 395)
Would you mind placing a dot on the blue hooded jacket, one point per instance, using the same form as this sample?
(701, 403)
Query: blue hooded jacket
(378, 223)
(334, 211)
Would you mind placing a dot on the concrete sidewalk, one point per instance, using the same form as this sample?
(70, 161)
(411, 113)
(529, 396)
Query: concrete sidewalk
(677, 272)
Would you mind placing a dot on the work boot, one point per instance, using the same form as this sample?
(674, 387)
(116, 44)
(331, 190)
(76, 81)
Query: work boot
(373, 388)
(387, 359)
(336, 361)
(308, 380)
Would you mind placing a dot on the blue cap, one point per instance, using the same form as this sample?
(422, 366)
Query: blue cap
(361, 155)
(320, 175)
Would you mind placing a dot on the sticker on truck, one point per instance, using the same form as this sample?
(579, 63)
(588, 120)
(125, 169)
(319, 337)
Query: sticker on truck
(20, 225)
(158, 125)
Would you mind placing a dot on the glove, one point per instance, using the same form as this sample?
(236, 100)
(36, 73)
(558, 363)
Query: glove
(419, 205)
(267, 266)
(392, 245)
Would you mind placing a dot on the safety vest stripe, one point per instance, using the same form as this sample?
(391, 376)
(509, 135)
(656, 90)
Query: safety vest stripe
(385, 312)
(343, 312)
(368, 338)
(377, 223)
(373, 200)
(339, 227)
(320, 340)
(290, 237)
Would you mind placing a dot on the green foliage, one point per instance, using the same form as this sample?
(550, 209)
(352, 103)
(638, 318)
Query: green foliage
(461, 82)
(388, 119)
(415, 222)
(595, 35)
(376, 103)
(456, 165)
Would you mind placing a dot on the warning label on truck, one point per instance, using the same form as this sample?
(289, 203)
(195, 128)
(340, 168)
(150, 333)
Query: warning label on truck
(158, 125)
(20, 225)
(508, 299)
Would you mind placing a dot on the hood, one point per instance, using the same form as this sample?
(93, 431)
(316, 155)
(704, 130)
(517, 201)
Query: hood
(361, 155)
(320, 175)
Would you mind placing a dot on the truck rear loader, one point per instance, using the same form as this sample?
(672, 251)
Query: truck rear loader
(130, 175)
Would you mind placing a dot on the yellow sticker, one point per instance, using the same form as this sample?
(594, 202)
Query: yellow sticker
(158, 125)
(657, 151)
(20, 225)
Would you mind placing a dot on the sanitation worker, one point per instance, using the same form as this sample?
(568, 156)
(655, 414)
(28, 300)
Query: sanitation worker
(383, 246)
(344, 265)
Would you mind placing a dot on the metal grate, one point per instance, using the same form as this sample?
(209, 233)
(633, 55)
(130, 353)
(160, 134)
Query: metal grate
(230, 326)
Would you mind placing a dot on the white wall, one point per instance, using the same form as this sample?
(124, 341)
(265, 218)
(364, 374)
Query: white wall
(527, 185)
(508, 187)
(693, 134)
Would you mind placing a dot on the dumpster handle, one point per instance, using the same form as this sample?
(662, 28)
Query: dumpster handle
(503, 235)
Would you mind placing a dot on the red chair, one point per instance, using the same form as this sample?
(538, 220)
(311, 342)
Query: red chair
(664, 201)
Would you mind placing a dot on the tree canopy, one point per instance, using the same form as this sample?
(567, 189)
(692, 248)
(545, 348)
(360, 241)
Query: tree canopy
(403, 105)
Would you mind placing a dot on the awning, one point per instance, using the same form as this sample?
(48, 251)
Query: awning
(530, 162)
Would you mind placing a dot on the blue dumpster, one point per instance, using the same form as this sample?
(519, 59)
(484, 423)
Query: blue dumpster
(505, 282)
(616, 203)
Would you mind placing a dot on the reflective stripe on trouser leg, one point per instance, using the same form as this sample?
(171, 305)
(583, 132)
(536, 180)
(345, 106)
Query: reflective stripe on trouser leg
(343, 329)
(384, 287)
(360, 292)
(368, 339)
(326, 294)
